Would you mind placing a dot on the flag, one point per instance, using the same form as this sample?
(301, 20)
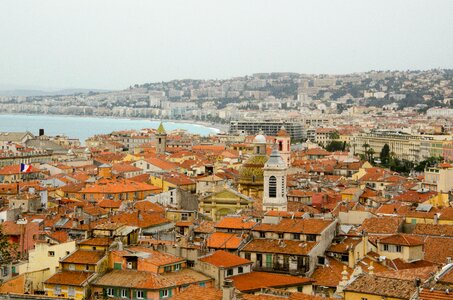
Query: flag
(25, 168)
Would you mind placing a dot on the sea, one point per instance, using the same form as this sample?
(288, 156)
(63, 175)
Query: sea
(84, 127)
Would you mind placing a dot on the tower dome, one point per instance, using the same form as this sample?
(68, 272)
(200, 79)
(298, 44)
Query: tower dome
(259, 139)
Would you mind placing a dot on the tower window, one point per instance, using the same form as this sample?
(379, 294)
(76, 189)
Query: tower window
(160, 141)
(280, 146)
(272, 187)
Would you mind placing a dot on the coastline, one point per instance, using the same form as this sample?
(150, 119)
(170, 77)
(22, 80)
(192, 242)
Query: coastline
(214, 126)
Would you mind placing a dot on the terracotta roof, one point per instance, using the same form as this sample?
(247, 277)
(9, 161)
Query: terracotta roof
(224, 259)
(97, 241)
(344, 245)
(148, 206)
(437, 249)
(75, 278)
(388, 287)
(106, 186)
(256, 280)
(15, 169)
(106, 203)
(235, 223)
(433, 229)
(140, 219)
(149, 280)
(161, 164)
(382, 225)
(276, 246)
(304, 226)
(84, 257)
(330, 273)
(401, 239)
(210, 293)
(424, 273)
(221, 240)
(150, 256)
(414, 196)
(427, 294)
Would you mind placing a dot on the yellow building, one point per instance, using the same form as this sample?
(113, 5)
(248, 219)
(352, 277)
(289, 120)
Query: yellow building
(69, 284)
(222, 202)
(78, 270)
(400, 246)
(169, 181)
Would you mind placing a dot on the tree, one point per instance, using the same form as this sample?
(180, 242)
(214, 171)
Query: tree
(334, 135)
(6, 249)
(385, 155)
(334, 146)
(370, 154)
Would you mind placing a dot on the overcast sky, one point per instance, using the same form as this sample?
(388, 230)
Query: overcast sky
(110, 44)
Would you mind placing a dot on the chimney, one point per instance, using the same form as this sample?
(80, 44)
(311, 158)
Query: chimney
(228, 290)
(41, 132)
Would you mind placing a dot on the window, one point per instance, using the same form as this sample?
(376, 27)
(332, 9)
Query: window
(398, 248)
(321, 260)
(124, 293)
(71, 291)
(280, 235)
(229, 272)
(140, 294)
(240, 270)
(184, 217)
(72, 267)
(5, 271)
(311, 237)
(51, 253)
(57, 290)
(167, 269)
(386, 247)
(268, 260)
(164, 293)
(272, 187)
(202, 284)
(110, 292)
(248, 256)
(296, 236)
(67, 252)
(262, 234)
(177, 267)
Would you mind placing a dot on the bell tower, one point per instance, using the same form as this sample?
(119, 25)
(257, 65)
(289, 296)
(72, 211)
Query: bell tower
(161, 139)
(283, 141)
(275, 172)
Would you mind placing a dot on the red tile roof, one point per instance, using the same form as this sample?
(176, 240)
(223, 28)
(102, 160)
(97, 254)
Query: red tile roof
(84, 257)
(235, 223)
(74, 278)
(277, 246)
(304, 226)
(221, 240)
(254, 281)
(402, 240)
(225, 259)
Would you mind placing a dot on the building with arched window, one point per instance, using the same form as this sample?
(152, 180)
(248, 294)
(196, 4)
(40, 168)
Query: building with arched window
(275, 172)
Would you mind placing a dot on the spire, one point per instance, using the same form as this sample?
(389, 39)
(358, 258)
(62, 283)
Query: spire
(161, 129)
(275, 158)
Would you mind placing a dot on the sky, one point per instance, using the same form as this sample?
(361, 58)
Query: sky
(108, 44)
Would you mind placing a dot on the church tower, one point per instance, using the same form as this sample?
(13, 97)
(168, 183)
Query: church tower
(283, 141)
(275, 172)
(161, 139)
